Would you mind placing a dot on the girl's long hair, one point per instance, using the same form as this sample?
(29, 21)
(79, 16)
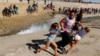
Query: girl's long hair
(53, 26)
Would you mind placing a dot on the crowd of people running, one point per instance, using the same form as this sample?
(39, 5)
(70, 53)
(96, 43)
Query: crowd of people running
(86, 10)
(49, 6)
(11, 10)
(69, 24)
(32, 8)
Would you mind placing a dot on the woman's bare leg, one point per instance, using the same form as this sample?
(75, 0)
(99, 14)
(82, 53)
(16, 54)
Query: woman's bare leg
(72, 45)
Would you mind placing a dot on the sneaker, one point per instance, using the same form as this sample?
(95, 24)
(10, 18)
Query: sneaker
(63, 50)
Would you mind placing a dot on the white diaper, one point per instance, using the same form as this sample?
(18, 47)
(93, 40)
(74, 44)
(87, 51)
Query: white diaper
(77, 37)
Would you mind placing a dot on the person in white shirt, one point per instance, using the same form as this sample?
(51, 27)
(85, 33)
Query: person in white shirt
(66, 26)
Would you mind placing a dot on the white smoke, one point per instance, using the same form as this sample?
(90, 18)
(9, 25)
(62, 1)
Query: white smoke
(39, 27)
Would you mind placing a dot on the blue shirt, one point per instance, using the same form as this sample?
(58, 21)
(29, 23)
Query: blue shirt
(53, 34)
(82, 33)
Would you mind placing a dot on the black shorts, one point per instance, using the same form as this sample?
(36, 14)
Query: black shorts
(66, 39)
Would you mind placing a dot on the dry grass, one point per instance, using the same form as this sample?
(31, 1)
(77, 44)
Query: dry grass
(22, 21)
(13, 25)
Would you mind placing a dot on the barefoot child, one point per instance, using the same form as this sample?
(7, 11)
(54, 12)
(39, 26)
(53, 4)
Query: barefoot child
(78, 37)
(50, 40)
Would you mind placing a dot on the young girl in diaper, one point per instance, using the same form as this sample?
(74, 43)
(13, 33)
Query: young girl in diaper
(78, 37)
